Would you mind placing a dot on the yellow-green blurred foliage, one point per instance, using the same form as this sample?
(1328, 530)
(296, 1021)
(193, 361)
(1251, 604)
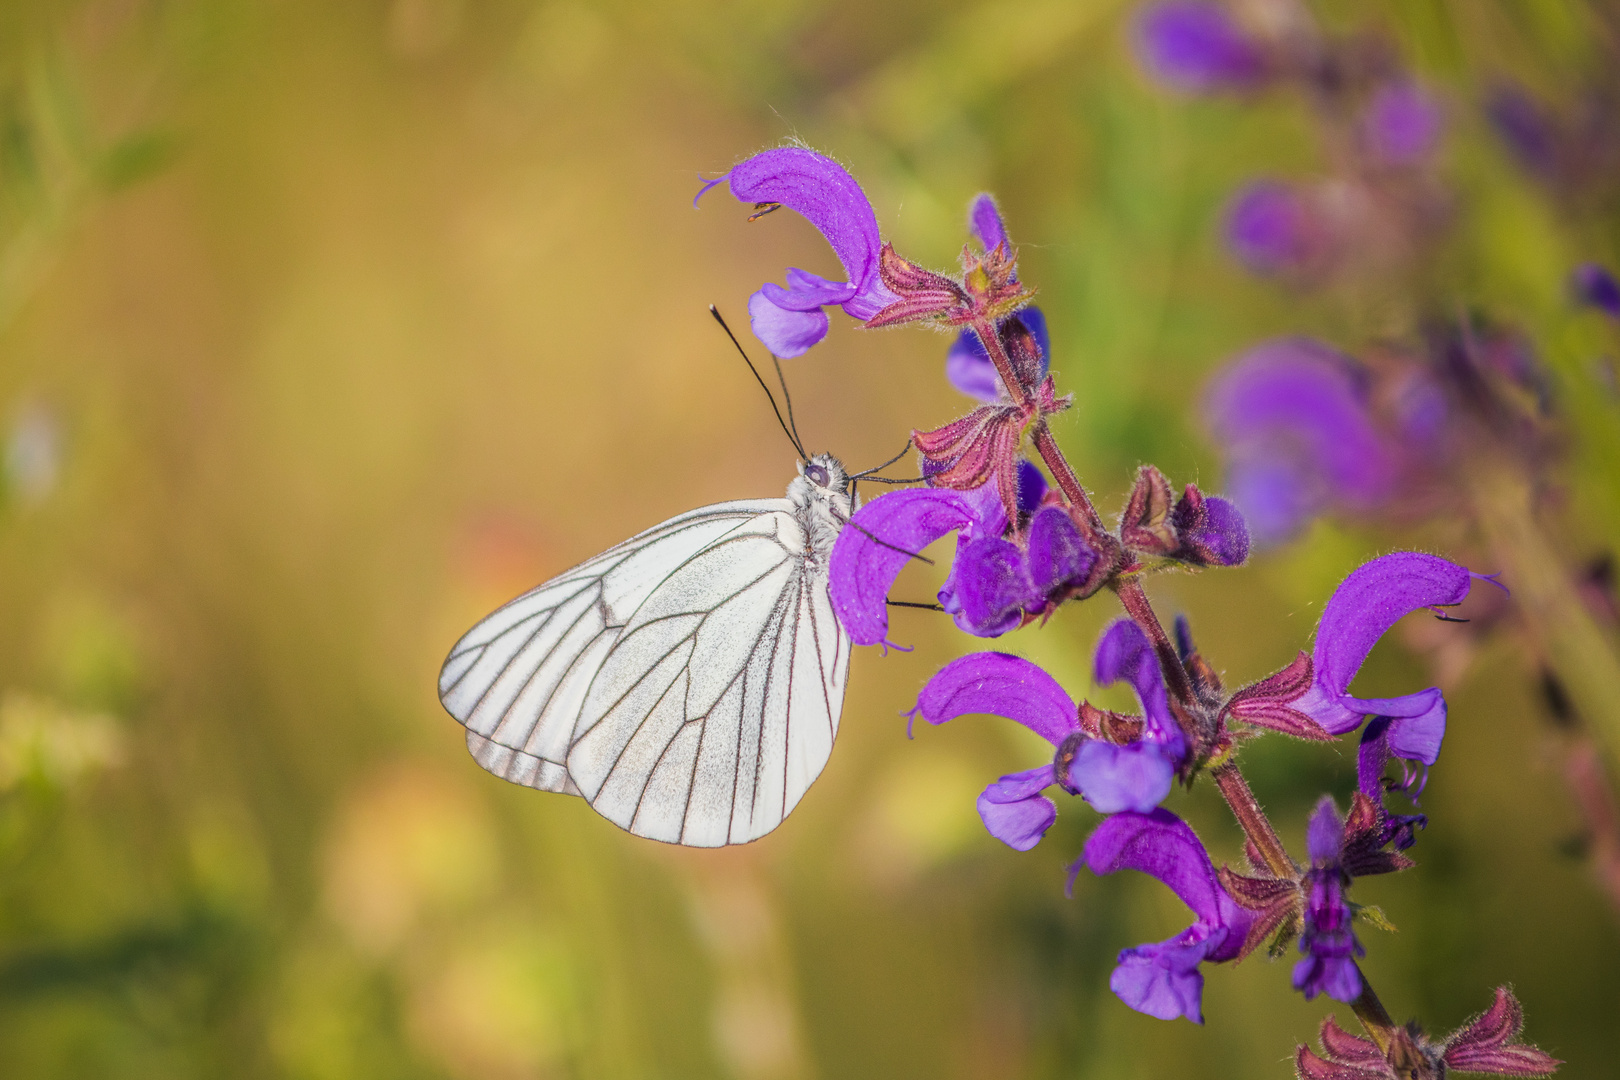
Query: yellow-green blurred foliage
(326, 327)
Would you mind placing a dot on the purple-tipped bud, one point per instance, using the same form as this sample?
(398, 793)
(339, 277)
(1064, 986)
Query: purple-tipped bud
(1594, 285)
(1197, 48)
(1221, 538)
(1059, 557)
(1273, 230)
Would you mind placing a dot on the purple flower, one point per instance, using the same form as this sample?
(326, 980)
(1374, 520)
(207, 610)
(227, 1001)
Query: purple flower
(1329, 944)
(1293, 418)
(1402, 124)
(1163, 979)
(1372, 599)
(1274, 229)
(1135, 774)
(1532, 135)
(1197, 48)
(791, 320)
(1594, 285)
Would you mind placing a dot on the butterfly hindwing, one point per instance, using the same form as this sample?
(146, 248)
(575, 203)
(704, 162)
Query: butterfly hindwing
(717, 706)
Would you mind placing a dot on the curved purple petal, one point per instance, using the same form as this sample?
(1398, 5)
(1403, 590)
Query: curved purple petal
(880, 539)
(1366, 604)
(1125, 653)
(806, 291)
(785, 332)
(1163, 980)
(1112, 778)
(1001, 685)
(1162, 845)
(1197, 48)
(824, 192)
(1015, 811)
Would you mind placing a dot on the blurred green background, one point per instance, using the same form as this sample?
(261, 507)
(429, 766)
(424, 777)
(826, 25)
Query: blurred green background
(325, 328)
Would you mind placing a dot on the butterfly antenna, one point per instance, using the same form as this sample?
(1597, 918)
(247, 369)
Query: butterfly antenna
(904, 450)
(787, 399)
(879, 541)
(794, 439)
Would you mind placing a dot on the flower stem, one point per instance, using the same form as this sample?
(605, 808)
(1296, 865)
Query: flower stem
(1137, 605)
(1048, 447)
(1373, 1016)
(1256, 826)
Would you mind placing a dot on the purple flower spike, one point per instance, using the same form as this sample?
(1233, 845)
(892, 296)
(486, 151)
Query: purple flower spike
(887, 533)
(1329, 945)
(1197, 48)
(1402, 125)
(1273, 229)
(968, 366)
(790, 320)
(1594, 285)
(1293, 418)
(1163, 979)
(1372, 599)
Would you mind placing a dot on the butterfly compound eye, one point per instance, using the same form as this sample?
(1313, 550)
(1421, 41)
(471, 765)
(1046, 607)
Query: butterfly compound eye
(816, 475)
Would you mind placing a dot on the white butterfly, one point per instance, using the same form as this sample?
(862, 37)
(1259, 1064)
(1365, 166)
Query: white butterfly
(687, 682)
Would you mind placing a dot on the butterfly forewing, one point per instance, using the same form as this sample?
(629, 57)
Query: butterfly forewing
(518, 678)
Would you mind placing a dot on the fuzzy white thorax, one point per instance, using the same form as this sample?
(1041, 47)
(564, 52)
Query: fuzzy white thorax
(822, 509)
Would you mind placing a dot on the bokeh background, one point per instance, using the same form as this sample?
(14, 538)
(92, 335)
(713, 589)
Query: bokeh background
(325, 328)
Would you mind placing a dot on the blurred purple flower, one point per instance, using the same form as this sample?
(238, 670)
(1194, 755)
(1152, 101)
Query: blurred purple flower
(1402, 124)
(1531, 134)
(1594, 285)
(1163, 979)
(1274, 229)
(1197, 48)
(791, 320)
(1366, 604)
(1031, 486)
(1328, 942)
(1292, 418)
